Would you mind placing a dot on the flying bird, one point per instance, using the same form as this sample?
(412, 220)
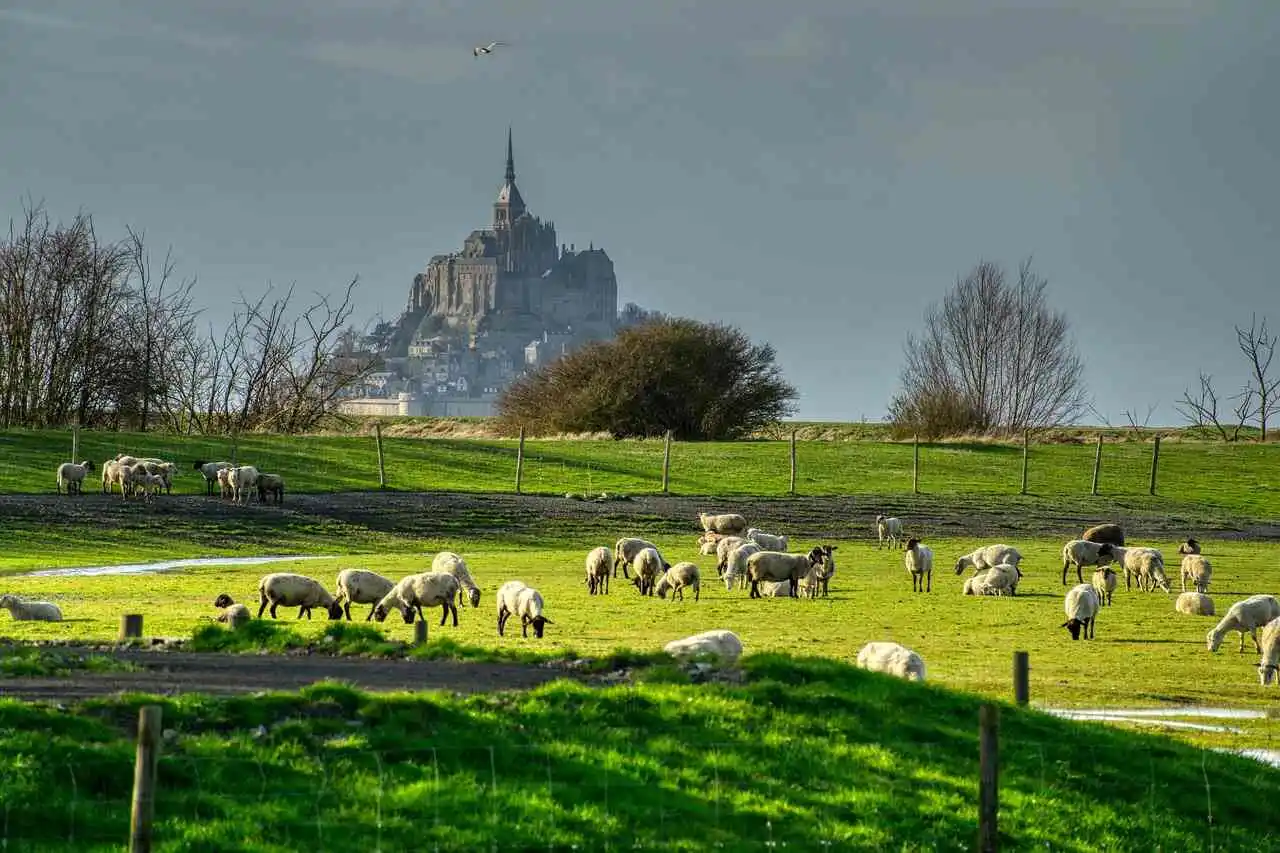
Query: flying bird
(485, 51)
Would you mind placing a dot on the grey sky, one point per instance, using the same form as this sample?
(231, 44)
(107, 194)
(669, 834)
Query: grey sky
(815, 172)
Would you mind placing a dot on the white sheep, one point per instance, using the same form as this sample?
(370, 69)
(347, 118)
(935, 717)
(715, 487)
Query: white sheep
(888, 529)
(412, 593)
(1194, 604)
(987, 556)
(891, 659)
(598, 564)
(1145, 564)
(1245, 616)
(996, 580)
(242, 481)
(1191, 546)
(447, 561)
(294, 590)
(224, 483)
(776, 566)
(233, 615)
(719, 643)
(1081, 553)
(361, 586)
(767, 541)
(1081, 604)
(707, 544)
(270, 484)
(647, 565)
(1269, 649)
(161, 470)
(825, 570)
(919, 562)
(725, 546)
(1104, 583)
(1197, 569)
(676, 579)
(729, 523)
(30, 611)
(517, 597)
(210, 472)
(775, 589)
(736, 566)
(71, 476)
(625, 550)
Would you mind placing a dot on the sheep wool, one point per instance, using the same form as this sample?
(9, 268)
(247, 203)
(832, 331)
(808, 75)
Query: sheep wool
(1194, 604)
(725, 646)
(888, 529)
(292, 590)
(412, 593)
(598, 564)
(448, 561)
(1245, 616)
(30, 611)
(892, 659)
(361, 586)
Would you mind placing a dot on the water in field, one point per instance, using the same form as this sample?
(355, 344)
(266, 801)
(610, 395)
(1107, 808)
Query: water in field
(163, 566)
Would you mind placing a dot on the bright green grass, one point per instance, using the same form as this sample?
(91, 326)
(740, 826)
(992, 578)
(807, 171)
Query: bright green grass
(1240, 478)
(810, 754)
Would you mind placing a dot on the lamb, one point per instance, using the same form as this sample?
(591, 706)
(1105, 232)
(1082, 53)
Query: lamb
(1194, 604)
(996, 580)
(767, 541)
(919, 562)
(777, 566)
(598, 570)
(888, 529)
(826, 569)
(1081, 605)
(71, 476)
(412, 593)
(161, 470)
(30, 611)
(1270, 651)
(294, 590)
(891, 659)
(1110, 533)
(1191, 546)
(647, 565)
(210, 471)
(736, 566)
(361, 586)
(242, 480)
(1146, 564)
(729, 523)
(1104, 583)
(721, 644)
(625, 550)
(707, 543)
(146, 483)
(224, 483)
(447, 561)
(233, 615)
(1196, 568)
(270, 484)
(1245, 616)
(1081, 553)
(677, 579)
(987, 556)
(518, 597)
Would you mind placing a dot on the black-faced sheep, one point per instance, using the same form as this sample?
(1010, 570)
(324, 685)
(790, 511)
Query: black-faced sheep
(361, 586)
(412, 593)
(516, 597)
(597, 564)
(676, 579)
(1081, 604)
(298, 591)
(919, 562)
(1081, 553)
(776, 566)
(1245, 616)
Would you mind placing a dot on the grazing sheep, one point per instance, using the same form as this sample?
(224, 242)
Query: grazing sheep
(1269, 649)
(210, 472)
(71, 476)
(1081, 605)
(919, 562)
(447, 561)
(736, 566)
(30, 611)
(647, 565)
(987, 556)
(888, 530)
(677, 578)
(1145, 564)
(625, 550)
(776, 566)
(361, 586)
(724, 547)
(233, 615)
(1111, 534)
(1245, 616)
(1104, 583)
(1191, 546)
(729, 523)
(518, 597)
(1194, 604)
(891, 659)
(242, 481)
(1196, 568)
(719, 643)
(598, 564)
(294, 590)
(270, 484)
(412, 593)
(1081, 553)
(767, 541)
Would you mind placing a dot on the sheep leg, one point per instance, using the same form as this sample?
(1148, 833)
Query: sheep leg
(929, 586)
(263, 606)
(274, 605)
(697, 593)
(503, 613)
(302, 610)
(346, 608)
(755, 589)
(524, 625)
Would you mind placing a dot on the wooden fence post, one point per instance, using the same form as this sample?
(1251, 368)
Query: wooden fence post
(989, 777)
(420, 632)
(130, 626)
(144, 779)
(666, 464)
(382, 470)
(520, 460)
(793, 462)
(1026, 441)
(1155, 463)
(1097, 463)
(1021, 678)
(915, 467)
(75, 444)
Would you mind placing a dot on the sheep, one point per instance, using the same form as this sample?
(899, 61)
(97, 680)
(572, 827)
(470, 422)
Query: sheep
(1111, 534)
(1196, 568)
(814, 581)
(1145, 564)
(361, 586)
(719, 643)
(1245, 616)
(1194, 604)
(1081, 604)
(598, 571)
(30, 611)
(161, 470)
(891, 659)
(210, 472)
(1104, 583)
(890, 530)
(647, 565)
(919, 562)
(518, 597)
(1269, 649)
(767, 541)
(71, 476)
(775, 589)
(1081, 553)
(625, 550)
(729, 523)
(145, 483)
(447, 561)
(298, 591)
(224, 483)
(233, 615)
(242, 480)
(826, 569)
(996, 580)
(777, 566)
(677, 579)
(1191, 546)
(724, 546)
(707, 543)
(270, 484)
(114, 473)
(412, 593)
(988, 556)
(736, 565)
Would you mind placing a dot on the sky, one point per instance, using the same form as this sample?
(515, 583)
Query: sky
(816, 172)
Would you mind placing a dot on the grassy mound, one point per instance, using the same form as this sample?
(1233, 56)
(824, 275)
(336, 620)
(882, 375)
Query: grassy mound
(808, 753)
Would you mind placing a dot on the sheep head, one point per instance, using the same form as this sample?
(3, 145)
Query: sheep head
(335, 610)
(912, 543)
(1267, 673)
(962, 564)
(1073, 625)
(223, 600)
(538, 623)
(473, 595)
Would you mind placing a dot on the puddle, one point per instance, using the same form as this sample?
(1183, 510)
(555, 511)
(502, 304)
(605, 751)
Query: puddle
(1156, 713)
(1267, 756)
(165, 566)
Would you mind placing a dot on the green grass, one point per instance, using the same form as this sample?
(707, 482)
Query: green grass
(1239, 478)
(19, 660)
(811, 754)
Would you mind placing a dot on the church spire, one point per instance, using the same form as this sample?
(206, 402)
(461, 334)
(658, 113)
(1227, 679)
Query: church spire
(511, 160)
(509, 205)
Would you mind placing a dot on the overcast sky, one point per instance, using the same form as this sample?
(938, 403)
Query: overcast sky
(816, 172)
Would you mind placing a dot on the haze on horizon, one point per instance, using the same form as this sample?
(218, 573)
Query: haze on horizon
(816, 173)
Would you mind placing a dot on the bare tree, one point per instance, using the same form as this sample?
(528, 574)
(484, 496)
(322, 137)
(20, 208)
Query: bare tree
(1201, 410)
(1259, 347)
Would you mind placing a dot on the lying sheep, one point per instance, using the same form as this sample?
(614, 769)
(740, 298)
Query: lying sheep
(1081, 553)
(294, 590)
(270, 484)
(1081, 605)
(729, 523)
(516, 597)
(736, 565)
(647, 565)
(1245, 616)
(677, 579)
(891, 659)
(30, 611)
(1111, 534)
(776, 566)
(987, 556)
(412, 593)
(1194, 604)
(1269, 649)
(71, 476)
(997, 580)
(210, 472)
(720, 644)
(598, 563)
(447, 561)
(1191, 546)
(233, 615)
(1145, 564)
(707, 543)
(919, 562)
(775, 589)
(1196, 568)
(625, 550)
(361, 586)
(1104, 583)
(767, 541)
(888, 530)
